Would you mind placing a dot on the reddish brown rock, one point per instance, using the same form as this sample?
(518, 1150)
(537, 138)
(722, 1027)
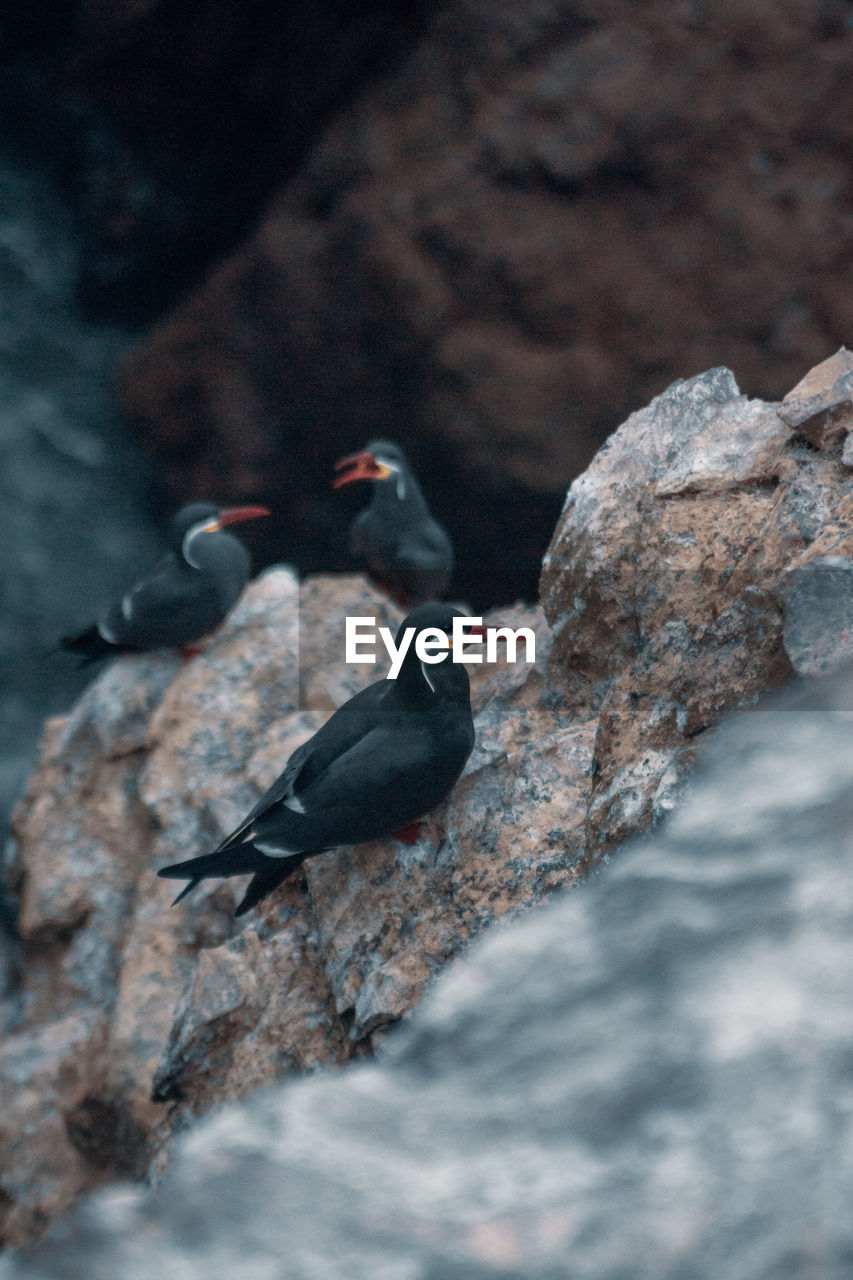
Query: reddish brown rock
(252, 1010)
(821, 405)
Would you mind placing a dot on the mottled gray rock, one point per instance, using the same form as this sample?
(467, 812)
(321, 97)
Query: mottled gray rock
(646, 1079)
(111, 718)
(659, 582)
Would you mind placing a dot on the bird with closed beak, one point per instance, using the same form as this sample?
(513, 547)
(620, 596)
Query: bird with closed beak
(186, 594)
(404, 548)
(383, 760)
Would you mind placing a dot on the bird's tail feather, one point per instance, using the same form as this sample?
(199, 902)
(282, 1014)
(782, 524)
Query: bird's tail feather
(228, 862)
(263, 882)
(188, 888)
(269, 872)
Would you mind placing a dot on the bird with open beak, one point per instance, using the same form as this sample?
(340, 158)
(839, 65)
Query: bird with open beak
(405, 550)
(383, 760)
(187, 593)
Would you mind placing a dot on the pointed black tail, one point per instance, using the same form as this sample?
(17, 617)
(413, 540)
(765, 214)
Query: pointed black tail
(263, 882)
(188, 888)
(228, 862)
(269, 872)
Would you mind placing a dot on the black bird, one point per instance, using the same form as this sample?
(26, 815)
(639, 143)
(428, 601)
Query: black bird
(186, 594)
(383, 760)
(405, 549)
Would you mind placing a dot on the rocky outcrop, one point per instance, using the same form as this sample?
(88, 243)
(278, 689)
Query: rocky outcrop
(132, 1005)
(535, 223)
(665, 579)
(649, 1077)
(665, 587)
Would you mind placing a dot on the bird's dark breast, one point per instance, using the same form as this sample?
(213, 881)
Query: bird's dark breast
(396, 796)
(178, 622)
(415, 561)
(376, 817)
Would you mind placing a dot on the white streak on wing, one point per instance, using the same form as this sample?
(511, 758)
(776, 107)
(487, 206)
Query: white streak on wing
(294, 803)
(105, 633)
(274, 851)
(127, 605)
(426, 676)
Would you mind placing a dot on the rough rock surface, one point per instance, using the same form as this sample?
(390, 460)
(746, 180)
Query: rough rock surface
(665, 585)
(543, 216)
(649, 1077)
(137, 1005)
(665, 579)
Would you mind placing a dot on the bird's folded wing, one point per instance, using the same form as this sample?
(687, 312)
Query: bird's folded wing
(429, 548)
(387, 779)
(386, 761)
(156, 603)
(341, 731)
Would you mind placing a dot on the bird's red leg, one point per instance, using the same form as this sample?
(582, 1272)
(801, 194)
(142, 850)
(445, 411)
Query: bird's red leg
(409, 834)
(190, 651)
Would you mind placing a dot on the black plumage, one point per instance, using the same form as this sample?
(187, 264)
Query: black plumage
(187, 593)
(404, 548)
(383, 760)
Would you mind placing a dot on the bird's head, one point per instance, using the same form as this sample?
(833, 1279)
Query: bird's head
(444, 676)
(205, 517)
(379, 460)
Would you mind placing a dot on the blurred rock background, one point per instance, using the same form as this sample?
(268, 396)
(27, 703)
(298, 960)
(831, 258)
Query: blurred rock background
(74, 488)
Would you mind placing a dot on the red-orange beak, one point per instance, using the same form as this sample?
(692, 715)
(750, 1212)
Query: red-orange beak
(359, 466)
(234, 515)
